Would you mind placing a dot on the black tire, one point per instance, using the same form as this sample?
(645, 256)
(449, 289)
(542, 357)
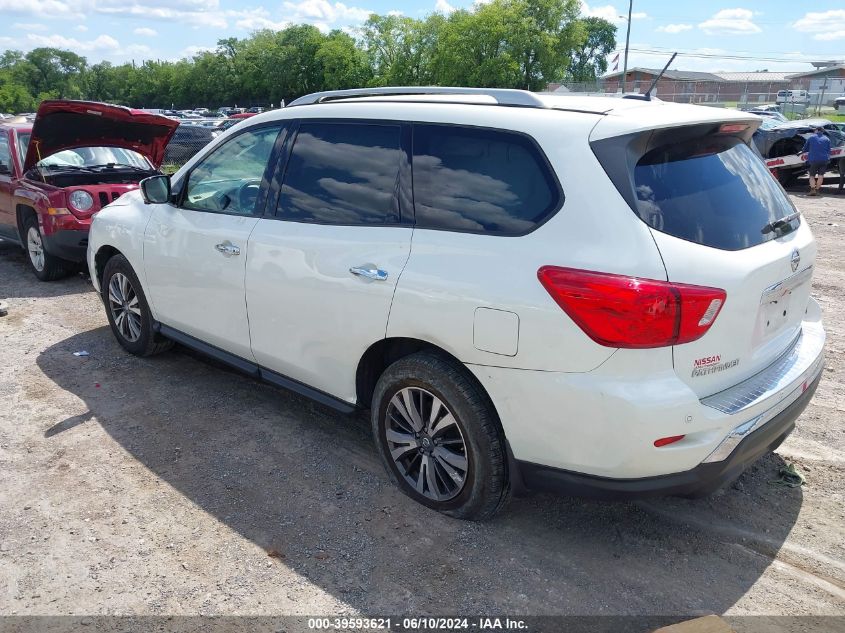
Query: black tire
(46, 267)
(787, 177)
(148, 341)
(485, 484)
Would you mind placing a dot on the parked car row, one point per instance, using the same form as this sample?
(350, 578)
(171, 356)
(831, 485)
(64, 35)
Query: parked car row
(604, 297)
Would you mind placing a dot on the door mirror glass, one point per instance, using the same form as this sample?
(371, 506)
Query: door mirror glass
(156, 189)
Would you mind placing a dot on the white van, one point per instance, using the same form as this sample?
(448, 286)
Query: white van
(792, 96)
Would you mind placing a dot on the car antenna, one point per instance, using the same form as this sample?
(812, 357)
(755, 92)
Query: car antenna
(647, 95)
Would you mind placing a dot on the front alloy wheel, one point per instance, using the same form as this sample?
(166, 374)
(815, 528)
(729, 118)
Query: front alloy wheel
(129, 314)
(125, 310)
(426, 444)
(35, 248)
(46, 267)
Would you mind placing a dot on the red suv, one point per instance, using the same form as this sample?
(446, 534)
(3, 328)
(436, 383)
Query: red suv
(57, 172)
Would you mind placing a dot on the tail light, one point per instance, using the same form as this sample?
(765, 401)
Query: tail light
(629, 312)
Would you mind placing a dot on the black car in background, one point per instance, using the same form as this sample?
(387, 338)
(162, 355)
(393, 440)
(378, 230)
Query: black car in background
(187, 141)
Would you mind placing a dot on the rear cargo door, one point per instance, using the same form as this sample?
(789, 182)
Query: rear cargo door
(720, 220)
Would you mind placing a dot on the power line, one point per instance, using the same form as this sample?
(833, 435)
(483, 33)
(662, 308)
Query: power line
(731, 56)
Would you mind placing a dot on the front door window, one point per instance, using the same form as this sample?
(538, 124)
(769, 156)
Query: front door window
(229, 179)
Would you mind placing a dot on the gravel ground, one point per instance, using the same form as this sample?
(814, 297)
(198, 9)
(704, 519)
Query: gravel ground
(171, 486)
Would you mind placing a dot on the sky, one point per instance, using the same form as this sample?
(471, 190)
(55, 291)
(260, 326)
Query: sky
(711, 36)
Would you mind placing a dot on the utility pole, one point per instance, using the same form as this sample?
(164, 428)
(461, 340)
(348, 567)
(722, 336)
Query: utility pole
(627, 41)
(821, 97)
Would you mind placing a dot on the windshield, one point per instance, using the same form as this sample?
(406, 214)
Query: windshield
(88, 156)
(712, 190)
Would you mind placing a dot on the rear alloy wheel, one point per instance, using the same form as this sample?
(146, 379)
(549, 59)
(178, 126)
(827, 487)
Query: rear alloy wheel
(45, 266)
(129, 314)
(439, 437)
(426, 444)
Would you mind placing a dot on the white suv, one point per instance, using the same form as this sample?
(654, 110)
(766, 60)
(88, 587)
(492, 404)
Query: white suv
(603, 296)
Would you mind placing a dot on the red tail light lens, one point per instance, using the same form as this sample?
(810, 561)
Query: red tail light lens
(629, 312)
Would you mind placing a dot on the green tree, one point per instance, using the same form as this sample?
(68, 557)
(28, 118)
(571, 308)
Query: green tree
(14, 96)
(500, 43)
(53, 71)
(590, 59)
(343, 63)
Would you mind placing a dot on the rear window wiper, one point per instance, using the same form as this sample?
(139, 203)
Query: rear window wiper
(780, 224)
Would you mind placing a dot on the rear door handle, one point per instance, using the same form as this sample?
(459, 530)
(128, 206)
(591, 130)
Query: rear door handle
(228, 249)
(370, 271)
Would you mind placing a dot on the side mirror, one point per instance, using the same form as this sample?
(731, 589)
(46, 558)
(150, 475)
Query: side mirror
(156, 189)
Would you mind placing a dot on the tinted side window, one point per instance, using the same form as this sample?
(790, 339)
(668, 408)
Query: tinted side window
(343, 173)
(5, 152)
(486, 181)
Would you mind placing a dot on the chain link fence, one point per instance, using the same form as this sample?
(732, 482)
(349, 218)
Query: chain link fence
(189, 139)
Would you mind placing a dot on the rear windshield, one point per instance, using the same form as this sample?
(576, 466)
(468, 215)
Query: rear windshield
(712, 190)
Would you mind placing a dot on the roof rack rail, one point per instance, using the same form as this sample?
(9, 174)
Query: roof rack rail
(503, 96)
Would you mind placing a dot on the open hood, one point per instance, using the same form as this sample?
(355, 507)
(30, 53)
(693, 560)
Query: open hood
(61, 125)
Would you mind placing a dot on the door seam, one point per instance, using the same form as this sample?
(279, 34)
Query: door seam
(398, 279)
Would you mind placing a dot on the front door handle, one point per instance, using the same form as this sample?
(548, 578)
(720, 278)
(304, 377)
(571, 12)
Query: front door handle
(228, 249)
(370, 271)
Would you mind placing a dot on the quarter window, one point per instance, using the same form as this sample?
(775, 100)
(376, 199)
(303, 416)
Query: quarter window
(479, 180)
(229, 179)
(343, 173)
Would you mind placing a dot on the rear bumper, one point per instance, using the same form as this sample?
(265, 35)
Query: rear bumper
(700, 481)
(594, 433)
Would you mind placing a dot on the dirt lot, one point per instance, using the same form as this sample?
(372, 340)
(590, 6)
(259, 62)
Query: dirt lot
(173, 486)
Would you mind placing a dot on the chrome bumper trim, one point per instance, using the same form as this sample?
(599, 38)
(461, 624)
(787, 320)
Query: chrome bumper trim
(798, 362)
(780, 384)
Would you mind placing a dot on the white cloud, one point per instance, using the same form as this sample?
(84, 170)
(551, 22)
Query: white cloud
(674, 28)
(197, 18)
(101, 43)
(395, 13)
(831, 35)
(29, 27)
(442, 6)
(197, 13)
(730, 22)
(190, 51)
(324, 12)
(81, 27)
(259, 19)
(145, 31)
(42, 8)
(610, 13)
(827, 25)
(136, 49)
